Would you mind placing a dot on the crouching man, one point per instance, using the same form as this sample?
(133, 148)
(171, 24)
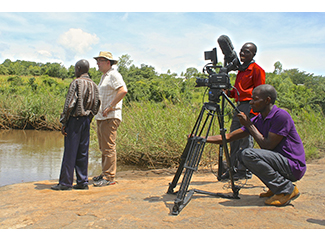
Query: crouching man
(281, 159)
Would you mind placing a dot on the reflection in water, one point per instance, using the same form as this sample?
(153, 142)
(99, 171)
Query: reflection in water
(30, 155)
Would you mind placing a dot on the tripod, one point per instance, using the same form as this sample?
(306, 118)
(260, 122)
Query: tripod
(193, 150)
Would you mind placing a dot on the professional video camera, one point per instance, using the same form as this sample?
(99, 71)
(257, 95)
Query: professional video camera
(190, 158)
(216, 80)
(219, 80)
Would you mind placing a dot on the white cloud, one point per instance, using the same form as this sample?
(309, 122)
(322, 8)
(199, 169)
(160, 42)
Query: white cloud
(125, 17)
(77, 41)
(45, 53)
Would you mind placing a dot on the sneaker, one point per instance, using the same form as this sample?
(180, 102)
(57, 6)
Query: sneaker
(97, 178)
(60, 187)
(104, 182)
(282, 199)
(269, 193)
(81, 187)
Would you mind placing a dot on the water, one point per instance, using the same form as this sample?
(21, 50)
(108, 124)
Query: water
(31, 155)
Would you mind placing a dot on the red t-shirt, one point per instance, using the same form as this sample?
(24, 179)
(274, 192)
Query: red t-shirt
(246, 81)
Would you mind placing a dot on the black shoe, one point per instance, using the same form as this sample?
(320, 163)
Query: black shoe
(103, 182)
(242, 175)
(81, 187)
(239, 175)
(60, 187)
(97, 178)
(225, 175)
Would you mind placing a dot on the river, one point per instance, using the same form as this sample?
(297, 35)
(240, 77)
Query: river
(31, 155)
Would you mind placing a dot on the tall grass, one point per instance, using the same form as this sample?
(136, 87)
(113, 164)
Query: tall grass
(154, 134)
(311, 128)
(151, 135)
(29, 103)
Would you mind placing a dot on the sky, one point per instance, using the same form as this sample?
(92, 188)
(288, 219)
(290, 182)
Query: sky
(168, 36)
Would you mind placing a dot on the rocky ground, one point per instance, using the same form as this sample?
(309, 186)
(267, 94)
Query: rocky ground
(139, 201)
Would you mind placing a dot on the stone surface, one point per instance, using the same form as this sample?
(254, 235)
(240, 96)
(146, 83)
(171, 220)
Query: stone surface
(139, 201)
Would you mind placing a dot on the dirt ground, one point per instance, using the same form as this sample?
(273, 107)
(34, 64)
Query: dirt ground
(140, 201)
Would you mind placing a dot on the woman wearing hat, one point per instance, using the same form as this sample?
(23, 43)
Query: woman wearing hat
(112, 90)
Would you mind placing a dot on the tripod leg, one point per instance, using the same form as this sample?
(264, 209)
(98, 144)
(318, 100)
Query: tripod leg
(220, 163)
(191, 164)
(221, 169)
(185, 153)
(179, 171)
(234, 188)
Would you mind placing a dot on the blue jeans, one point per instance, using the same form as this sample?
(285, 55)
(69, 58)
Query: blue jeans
(271, 168)
(76, 146)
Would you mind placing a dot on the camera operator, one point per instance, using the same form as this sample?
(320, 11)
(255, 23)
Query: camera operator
(281, 159)
(250, 75)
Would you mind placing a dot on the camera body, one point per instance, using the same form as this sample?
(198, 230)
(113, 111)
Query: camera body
(217, 82)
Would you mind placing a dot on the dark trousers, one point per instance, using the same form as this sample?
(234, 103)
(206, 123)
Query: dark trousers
(239, 145)
(271, 168)
(76, 146)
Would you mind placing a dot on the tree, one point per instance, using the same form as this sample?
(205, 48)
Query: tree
(3, 70)
(190, 72)
(34, 70)
(277, 68)
(71, 72)
(124, 64)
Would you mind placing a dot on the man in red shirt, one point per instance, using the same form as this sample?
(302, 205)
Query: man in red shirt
(250, 75)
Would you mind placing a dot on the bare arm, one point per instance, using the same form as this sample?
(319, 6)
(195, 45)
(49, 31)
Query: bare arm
(235, 135)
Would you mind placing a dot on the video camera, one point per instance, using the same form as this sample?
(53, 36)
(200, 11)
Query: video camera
(219, 80)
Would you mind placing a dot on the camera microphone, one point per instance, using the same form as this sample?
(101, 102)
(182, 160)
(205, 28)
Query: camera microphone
(228, 50)
(226, 47)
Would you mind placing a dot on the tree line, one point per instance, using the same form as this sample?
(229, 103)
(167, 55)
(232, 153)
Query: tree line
(296, 89)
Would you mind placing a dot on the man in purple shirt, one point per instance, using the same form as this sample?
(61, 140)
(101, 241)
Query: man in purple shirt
(281, 159)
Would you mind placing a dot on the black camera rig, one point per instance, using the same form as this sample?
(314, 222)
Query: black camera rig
(190, 158)
(216, 80)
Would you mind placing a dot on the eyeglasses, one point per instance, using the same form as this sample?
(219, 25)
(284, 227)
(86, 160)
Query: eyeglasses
(101, 60)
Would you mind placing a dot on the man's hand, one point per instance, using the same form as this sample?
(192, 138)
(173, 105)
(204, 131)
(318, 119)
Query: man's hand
(107, 110)
(268, 143)
(243, 119)
(63, 131)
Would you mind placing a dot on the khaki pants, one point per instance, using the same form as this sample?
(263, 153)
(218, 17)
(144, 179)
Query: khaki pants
(106, 133)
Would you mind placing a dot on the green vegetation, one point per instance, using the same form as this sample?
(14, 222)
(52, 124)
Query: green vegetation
(159, 109)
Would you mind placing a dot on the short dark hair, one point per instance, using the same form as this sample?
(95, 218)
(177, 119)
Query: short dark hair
(254, 49)
(267, 90)
(82, 66)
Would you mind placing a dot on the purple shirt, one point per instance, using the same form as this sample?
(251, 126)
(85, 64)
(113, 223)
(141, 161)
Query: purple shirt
(279, 121)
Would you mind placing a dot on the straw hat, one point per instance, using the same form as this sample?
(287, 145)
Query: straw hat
(107, 55)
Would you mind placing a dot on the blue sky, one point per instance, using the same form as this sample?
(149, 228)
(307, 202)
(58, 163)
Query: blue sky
(166, 39)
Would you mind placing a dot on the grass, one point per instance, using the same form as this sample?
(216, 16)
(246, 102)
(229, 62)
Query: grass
(152, 135)
(31, 103)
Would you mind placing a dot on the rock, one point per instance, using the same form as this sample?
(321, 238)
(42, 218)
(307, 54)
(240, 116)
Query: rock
(139, 201)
